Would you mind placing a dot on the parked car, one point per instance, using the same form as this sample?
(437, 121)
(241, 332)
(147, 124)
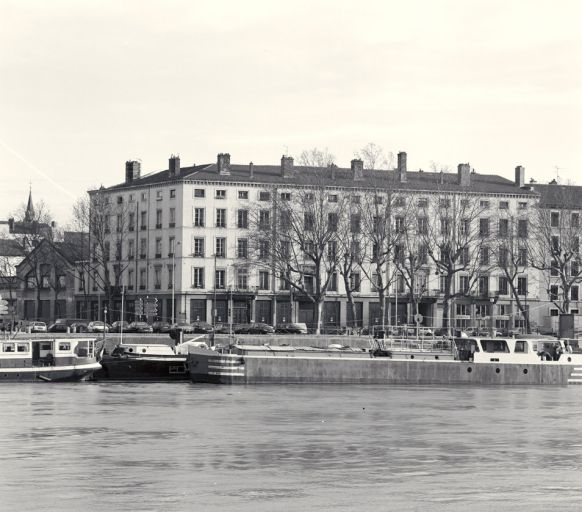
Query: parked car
(62, 324)
(161, 327)
(222, 329)
(257, 328)
(81, 326)
(140, 327)
(119, 325)
(291, 328)
(178, 328)
(37, 327)
(98, 326)
(202, 328)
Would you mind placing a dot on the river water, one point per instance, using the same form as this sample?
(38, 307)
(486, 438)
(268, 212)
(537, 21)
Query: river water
(185, 447)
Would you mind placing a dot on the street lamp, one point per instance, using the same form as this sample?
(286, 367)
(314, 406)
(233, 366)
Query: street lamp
(174, 283)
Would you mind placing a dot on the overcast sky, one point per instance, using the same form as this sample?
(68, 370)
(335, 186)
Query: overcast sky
(86, 85)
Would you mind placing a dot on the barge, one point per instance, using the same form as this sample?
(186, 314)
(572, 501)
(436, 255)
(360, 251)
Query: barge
(472, 361)
(47, 360)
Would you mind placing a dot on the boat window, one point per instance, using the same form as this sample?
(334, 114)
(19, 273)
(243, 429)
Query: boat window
(494, 345)
(22, 347)
(46, 346)
(8, 347)
(521, 346)
(64, 346)
(467, 344)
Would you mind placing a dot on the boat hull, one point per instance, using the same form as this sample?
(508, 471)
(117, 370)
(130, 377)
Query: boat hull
(49, 374)
(143, 369)
(207, 366)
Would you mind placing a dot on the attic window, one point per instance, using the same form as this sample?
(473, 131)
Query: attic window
(119, 199)
(504, 205)
(221, 194)
(198, 192)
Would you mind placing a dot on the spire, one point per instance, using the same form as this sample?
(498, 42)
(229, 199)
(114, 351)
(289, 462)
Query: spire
(29, 215)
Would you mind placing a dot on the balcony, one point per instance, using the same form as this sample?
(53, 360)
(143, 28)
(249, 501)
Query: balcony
(142, 287)
(158, 255)
(158, 226)
(143, 228)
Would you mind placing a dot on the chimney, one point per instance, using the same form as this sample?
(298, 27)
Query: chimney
(464, 172)
(223, 164)
(174, 166)
(286, 166)
(520, 176)
(358, 169)
(132, 171)
(333, 168)
(402, 167)
(251, 170)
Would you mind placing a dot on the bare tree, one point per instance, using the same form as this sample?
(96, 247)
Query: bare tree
(374, 157)
(297, 237)
(554, 247)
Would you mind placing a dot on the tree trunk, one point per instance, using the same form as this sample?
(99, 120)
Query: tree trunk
(318, 315)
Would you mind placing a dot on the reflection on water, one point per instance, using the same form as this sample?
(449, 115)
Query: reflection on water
(178, 446)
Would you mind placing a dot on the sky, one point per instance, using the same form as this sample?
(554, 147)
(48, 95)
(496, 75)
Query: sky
(86, 85)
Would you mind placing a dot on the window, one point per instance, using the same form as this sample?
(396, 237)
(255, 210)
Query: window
(462, 309)
(197, 277)
(144, 196)
(220, 194)
(423, 202)
(199, 217)
(158, 247)
(157, 277)
(574, 293)
(264, 249)
(444, 203)
(159, 195)
(465, 228)
(575, 220)
(264, 219)
(220, 217)
(399, 202)
(172, 217)
(484, 256)
(242, 248)
(503, 228)
(285, 196)
(264, 195)
(118, 250)
(445, 226)
(442, 284)
(400, 225)
(521, 206)
(242, 278)
(332, 250)
(332, 285)
(503, 256)
(522, 228)
(423, 254)
(355, 223)
(574, 268)
(285, 248)
(131, 222)
(130, 279)
(484, 228)
(503, 285)
(158, 219)
(143, 220)
(555, 219)
(355, 281)
(308, 221)
(482, 310)
(263, 280)
(285, 217)
(106, 251)
(554, 292)
(522, 256)
(242, 219)
(142, 248)
(464, 256)
(198, 247)
(172, 193)
(504, 205)
(422, 225)
(554, 269)
(171, 246)
(131, 198)
(220, 247)
(483, 285)
(332, 221)
(243, 194)
(119, 223)
(332, 198)
(484, 205)
(356, 250)
(199, 192)
(220, 279)
(119, 199)
(142, 278)
(464, 284)
(355, 199)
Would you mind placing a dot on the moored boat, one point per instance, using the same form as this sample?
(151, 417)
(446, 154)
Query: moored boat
(147, 362)
(48, 360)
(481, 361)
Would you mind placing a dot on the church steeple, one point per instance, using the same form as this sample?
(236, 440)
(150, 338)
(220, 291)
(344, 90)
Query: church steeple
(29, 215)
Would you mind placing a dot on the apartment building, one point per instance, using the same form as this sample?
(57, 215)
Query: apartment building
(184, 236)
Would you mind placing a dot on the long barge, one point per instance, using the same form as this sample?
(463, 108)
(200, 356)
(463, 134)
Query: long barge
(477, 361)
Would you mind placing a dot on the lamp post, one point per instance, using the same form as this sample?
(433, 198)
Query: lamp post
(174, 283)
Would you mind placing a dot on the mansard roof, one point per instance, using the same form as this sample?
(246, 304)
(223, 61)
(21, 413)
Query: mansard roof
(560, 196)
(343, 177)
